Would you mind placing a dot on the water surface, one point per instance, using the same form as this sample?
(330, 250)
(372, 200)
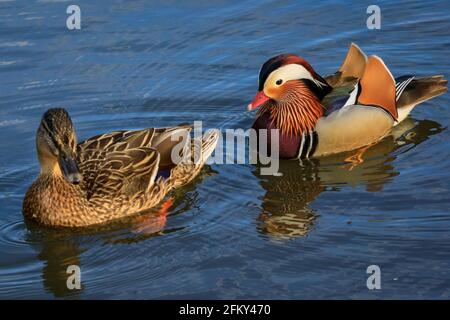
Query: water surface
(232, 233)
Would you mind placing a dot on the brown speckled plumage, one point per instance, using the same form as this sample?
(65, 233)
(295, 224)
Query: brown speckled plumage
(118, 174)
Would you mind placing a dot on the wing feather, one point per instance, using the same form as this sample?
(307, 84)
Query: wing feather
(126, 162)
(128, 172)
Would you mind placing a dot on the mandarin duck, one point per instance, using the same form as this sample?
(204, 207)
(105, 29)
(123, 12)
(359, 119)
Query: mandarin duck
(108, 176)
(355, 107)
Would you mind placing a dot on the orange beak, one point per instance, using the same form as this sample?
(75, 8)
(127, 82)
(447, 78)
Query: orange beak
(259, 99)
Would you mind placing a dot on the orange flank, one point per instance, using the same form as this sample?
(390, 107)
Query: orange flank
(354, 63)
(378, 86)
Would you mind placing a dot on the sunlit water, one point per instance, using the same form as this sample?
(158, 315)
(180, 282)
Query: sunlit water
(232, 233)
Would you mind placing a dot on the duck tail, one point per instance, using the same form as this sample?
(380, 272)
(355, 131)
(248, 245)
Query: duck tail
(412, 91)
(198, 154)
(208, 145)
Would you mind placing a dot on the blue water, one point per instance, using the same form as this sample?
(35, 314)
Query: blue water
(232, 233)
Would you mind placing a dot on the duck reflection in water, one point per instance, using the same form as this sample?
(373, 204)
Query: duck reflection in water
(287, 206)
(58, 248)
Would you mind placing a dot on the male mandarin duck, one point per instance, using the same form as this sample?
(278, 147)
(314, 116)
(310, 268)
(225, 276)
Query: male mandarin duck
(355, 107)
(111, 175)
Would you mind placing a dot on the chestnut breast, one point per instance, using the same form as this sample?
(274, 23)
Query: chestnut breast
(288, 144)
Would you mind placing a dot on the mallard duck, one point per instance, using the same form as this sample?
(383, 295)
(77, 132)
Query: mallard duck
(355, 107)
(109, 176)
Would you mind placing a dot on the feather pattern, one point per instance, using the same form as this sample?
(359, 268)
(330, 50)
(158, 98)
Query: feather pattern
(119, 172)
(401, 84)
(297, 112)
(361, 103)
(308, 145)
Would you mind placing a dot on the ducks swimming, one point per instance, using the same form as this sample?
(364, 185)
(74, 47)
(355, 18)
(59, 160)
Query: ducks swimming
(108, 176)
(355, 107)
(121, 173)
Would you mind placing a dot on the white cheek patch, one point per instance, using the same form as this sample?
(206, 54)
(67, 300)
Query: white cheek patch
(291, 72)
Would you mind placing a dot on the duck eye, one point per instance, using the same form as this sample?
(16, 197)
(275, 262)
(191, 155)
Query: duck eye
(279, 81)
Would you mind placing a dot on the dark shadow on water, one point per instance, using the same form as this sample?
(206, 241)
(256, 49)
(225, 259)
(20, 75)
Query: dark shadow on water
(286, 206)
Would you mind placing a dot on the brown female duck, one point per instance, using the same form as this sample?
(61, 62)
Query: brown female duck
(108, 176)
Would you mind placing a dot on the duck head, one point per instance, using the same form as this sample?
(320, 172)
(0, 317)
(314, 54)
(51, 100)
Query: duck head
(291, 91)
(56, 144)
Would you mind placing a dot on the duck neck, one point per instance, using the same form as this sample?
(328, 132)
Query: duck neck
(296, 113)
(49, 166)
